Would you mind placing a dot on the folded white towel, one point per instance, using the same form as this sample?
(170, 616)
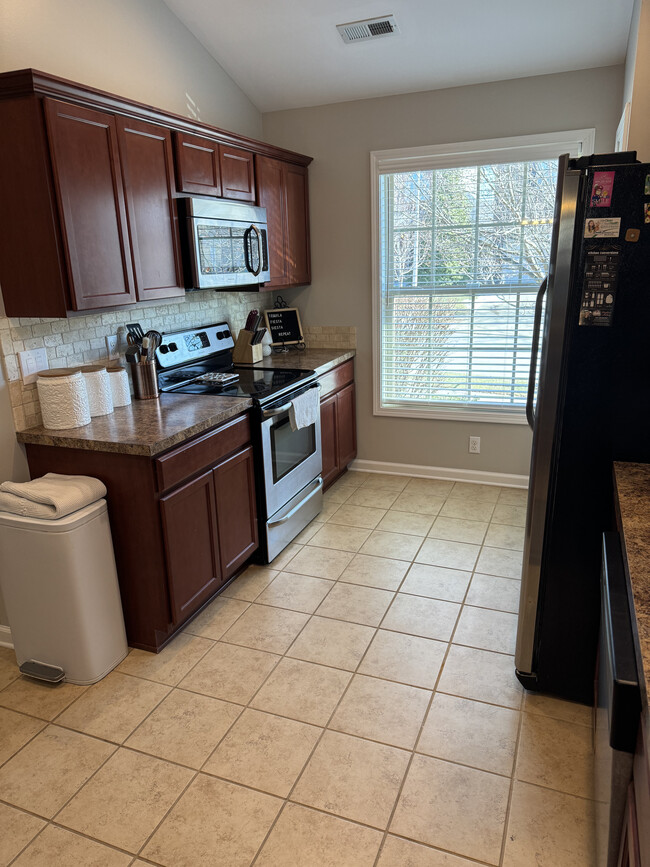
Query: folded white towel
(304, 409)
(52, 496)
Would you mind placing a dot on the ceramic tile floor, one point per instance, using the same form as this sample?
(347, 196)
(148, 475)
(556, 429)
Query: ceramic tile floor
(353, 704)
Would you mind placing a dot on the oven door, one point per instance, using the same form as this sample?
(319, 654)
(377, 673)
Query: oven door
(228, 253)
(291, 459)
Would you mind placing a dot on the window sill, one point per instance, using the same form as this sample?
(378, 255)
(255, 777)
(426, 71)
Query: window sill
(459, 414)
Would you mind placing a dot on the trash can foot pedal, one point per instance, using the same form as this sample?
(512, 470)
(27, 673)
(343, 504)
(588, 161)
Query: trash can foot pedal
(42, 671)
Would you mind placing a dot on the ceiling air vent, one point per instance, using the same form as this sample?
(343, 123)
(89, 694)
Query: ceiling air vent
(370, 28)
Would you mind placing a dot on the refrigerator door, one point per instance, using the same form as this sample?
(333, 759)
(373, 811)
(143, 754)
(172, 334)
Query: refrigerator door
(545, 413)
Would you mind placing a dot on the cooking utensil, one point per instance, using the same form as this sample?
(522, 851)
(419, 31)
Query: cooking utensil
(145, 349)
(155, 339)
(259, 336)
(132, 354)
(135, 329)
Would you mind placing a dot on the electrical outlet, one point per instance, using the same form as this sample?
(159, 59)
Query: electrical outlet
(475, 445)
(31, 361)
(112, 343)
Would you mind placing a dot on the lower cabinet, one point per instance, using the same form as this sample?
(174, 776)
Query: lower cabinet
(338, 421)
(183, 522)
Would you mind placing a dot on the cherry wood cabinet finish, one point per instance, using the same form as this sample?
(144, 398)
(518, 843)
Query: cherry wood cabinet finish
(148, 173)
(33, 272)
(180, 529)
(36, 267)
(282, 190)
(204, 451)
(237, 174)
(191, 544)
(88, 183)
(347, 427)
(236, 510)
(329, 440)
(338, 421)
(197, 165)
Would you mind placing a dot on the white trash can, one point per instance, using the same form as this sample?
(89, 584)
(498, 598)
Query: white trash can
(60, 588)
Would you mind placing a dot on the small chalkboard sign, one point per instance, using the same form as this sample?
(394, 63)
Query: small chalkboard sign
(284, 325)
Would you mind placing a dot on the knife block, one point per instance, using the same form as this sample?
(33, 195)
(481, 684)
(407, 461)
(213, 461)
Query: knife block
(244, 352)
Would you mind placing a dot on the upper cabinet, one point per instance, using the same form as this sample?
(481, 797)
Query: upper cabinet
(208, 168)
(283, 190)
(88, 217)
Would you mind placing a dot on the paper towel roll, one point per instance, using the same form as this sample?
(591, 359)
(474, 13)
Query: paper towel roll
(63, 398)
(100, 399)
(119, 380)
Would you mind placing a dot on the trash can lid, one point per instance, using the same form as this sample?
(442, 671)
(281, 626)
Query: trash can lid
(56, 525)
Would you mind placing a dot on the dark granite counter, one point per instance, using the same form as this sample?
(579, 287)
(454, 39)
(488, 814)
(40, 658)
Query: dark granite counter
(149, 427)
(632, 488)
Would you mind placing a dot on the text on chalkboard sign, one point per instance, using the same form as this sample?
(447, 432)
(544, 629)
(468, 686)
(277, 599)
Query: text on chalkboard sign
(284, 325)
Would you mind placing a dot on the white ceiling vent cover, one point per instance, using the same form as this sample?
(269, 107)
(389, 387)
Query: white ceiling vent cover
(370, 28)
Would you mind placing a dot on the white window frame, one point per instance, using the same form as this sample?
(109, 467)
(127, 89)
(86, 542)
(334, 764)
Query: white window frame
(502, 150)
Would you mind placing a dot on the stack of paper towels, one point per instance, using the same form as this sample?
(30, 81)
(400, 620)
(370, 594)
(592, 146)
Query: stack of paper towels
(70, 397)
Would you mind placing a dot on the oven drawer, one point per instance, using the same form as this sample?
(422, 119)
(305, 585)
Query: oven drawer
(336, 379)
(204, 451)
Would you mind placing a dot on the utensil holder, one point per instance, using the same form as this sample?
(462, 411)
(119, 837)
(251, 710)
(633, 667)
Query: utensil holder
(145, 381)
(244, 352)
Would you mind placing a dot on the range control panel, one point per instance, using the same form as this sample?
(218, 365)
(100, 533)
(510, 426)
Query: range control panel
(193, 345)
(599, 287)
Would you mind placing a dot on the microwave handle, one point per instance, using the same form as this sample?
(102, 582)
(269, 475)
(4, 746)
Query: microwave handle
(247, 238)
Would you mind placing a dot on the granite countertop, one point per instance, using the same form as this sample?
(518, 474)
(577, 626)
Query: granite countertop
(149, 427)
(633, 507)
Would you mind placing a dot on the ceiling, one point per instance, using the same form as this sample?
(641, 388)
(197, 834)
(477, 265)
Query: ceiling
(288, 53)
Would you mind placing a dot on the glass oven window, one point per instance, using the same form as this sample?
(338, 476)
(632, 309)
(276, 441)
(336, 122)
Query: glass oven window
(221, 249)
(290, 448)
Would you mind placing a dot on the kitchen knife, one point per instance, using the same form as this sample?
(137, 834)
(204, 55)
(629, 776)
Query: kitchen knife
(259, 336)
(250, 321)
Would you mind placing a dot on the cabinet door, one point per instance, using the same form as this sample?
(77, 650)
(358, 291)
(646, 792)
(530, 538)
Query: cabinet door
(329, 439)
(347, 428)
(271, 195)
(298, 253)
(148, 171)
(237, 174)
(190, 531)
(236, 510)
(197, 165)
(88, 180)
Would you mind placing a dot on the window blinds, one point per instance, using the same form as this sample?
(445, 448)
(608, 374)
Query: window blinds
(463, 251)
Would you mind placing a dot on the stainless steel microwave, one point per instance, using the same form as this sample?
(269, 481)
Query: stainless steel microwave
(227, 244)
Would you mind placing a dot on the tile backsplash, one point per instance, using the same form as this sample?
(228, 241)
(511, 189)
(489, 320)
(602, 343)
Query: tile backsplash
(81, 339)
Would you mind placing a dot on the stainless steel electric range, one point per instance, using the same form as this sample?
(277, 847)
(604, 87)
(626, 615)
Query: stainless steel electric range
(288, 462)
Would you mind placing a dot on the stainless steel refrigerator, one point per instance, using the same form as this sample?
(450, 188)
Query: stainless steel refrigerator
(589, 404)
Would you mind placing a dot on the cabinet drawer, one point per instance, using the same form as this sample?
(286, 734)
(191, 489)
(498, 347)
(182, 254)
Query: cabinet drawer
(337, 378)
(205, 451)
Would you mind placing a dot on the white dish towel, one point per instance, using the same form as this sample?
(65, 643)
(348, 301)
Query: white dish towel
(304, 409)
(52, 496)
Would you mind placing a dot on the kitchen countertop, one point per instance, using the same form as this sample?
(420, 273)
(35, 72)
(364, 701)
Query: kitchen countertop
(149, 427)
(632, 485)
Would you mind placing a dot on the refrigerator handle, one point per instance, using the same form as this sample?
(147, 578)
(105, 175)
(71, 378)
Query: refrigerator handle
(532, 376)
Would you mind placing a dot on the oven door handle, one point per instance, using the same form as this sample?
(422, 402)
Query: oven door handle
(278, 410)
(292, 512)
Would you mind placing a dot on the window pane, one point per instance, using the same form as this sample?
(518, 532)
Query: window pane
(463, 251)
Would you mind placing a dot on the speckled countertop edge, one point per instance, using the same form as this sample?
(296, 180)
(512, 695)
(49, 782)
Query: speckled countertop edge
(632, 485)
(150, 427)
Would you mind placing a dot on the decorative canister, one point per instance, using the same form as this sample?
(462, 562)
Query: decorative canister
(63, 397)
(120, 389)
(100, 399)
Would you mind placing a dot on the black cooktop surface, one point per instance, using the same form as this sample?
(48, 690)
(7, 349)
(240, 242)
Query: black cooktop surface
(257, 383)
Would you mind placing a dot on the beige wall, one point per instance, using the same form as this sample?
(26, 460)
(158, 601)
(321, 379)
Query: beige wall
(137, 49)
(339, 138)
(637, 80)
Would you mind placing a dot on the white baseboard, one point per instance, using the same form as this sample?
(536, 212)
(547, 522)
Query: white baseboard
(481, 477)
(5, 637)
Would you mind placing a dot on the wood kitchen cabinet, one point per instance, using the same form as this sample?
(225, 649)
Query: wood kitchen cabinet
(183, 522)
(87, 213)
(338, 421)
(283, 190)
(208, 168)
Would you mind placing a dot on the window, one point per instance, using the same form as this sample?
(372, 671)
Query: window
(461, 243)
